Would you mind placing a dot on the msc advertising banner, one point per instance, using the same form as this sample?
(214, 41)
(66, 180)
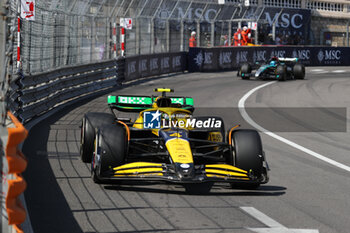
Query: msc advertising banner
(156, 64)
(288, 21)
(230, 58)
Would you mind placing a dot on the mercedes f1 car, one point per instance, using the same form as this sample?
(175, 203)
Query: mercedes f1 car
(276, 68)
(167, 143)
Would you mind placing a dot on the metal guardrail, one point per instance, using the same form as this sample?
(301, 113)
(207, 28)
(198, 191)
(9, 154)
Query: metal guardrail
(33, 95)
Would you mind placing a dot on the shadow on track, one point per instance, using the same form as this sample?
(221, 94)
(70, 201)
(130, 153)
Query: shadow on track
(217, 190)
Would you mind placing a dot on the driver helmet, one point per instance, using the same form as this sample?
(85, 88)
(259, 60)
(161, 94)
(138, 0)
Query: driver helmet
(163, 102)
(273, 63)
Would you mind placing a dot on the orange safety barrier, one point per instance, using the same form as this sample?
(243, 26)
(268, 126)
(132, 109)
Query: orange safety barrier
(17, 163)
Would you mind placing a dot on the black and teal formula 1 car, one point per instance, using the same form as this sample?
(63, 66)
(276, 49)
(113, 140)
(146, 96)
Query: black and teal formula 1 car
(276, 68)
(166, 143)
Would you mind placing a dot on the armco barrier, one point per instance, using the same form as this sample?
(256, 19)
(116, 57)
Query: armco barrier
(156, 64)
(230, 58)
(33, 95)
(16, 165)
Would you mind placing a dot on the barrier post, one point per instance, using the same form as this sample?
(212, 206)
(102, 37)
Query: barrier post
(212, 34)
(114, 39)
(122, 41)
(198, 35)
(18, 35)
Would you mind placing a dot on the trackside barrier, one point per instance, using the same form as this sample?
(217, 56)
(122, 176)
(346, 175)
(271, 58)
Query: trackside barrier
(34, 95)
(230, 58)
(143, 66)
(17, 163)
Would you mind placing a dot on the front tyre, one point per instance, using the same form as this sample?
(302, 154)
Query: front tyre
(281, 72)
(247, 154)
(110, 149)
(245, 71)
(90, 122)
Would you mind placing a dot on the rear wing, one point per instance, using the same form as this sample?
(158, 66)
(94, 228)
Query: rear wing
(133, 103)
(284, 59)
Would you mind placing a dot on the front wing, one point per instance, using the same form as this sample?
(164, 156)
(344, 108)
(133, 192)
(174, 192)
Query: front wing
(179, 173)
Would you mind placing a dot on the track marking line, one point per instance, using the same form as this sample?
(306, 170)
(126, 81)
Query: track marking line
(273, 226)
(260, 216)
(317, 70)
(338, 71)
(245, 115)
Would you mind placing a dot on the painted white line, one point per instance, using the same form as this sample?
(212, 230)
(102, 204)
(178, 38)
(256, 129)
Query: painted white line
(279, 230)
(273, 226)
(338, 71)
(286, 141)
(317, 70)
(262, 217)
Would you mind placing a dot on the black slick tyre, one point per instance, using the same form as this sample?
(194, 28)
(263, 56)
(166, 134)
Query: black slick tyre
(247, 154)
(281, 71)
(245, 71)
(90, 122)
(110, 149)
(299, 71)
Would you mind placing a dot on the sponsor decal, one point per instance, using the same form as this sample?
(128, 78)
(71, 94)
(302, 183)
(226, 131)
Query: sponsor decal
(329, 56)
(176, 61)
(199, 59)
(286, 20)
(164, 63)
(28, 9)
(143, 65)
(303, 54)
(225, 58)
(208, 57)
(259, 56)
(179, 13)
(278, 53)
(131, 67)
(241, 57)
(320, 56)
(153, 64)
(185, 165)
(178, 135)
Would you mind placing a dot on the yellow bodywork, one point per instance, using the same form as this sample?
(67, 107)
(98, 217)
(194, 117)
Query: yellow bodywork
(250, 44)
(144, 169)
(225, 171)
(138, 169)
(215, 137)
(179, 150)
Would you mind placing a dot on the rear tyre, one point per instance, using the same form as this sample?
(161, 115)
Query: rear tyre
(299, 71)
(110, 149)
(281, 71)
(247, 154)
(245, 71)
(90, 122)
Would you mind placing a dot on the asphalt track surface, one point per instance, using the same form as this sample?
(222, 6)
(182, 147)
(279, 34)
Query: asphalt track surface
(303, 192)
